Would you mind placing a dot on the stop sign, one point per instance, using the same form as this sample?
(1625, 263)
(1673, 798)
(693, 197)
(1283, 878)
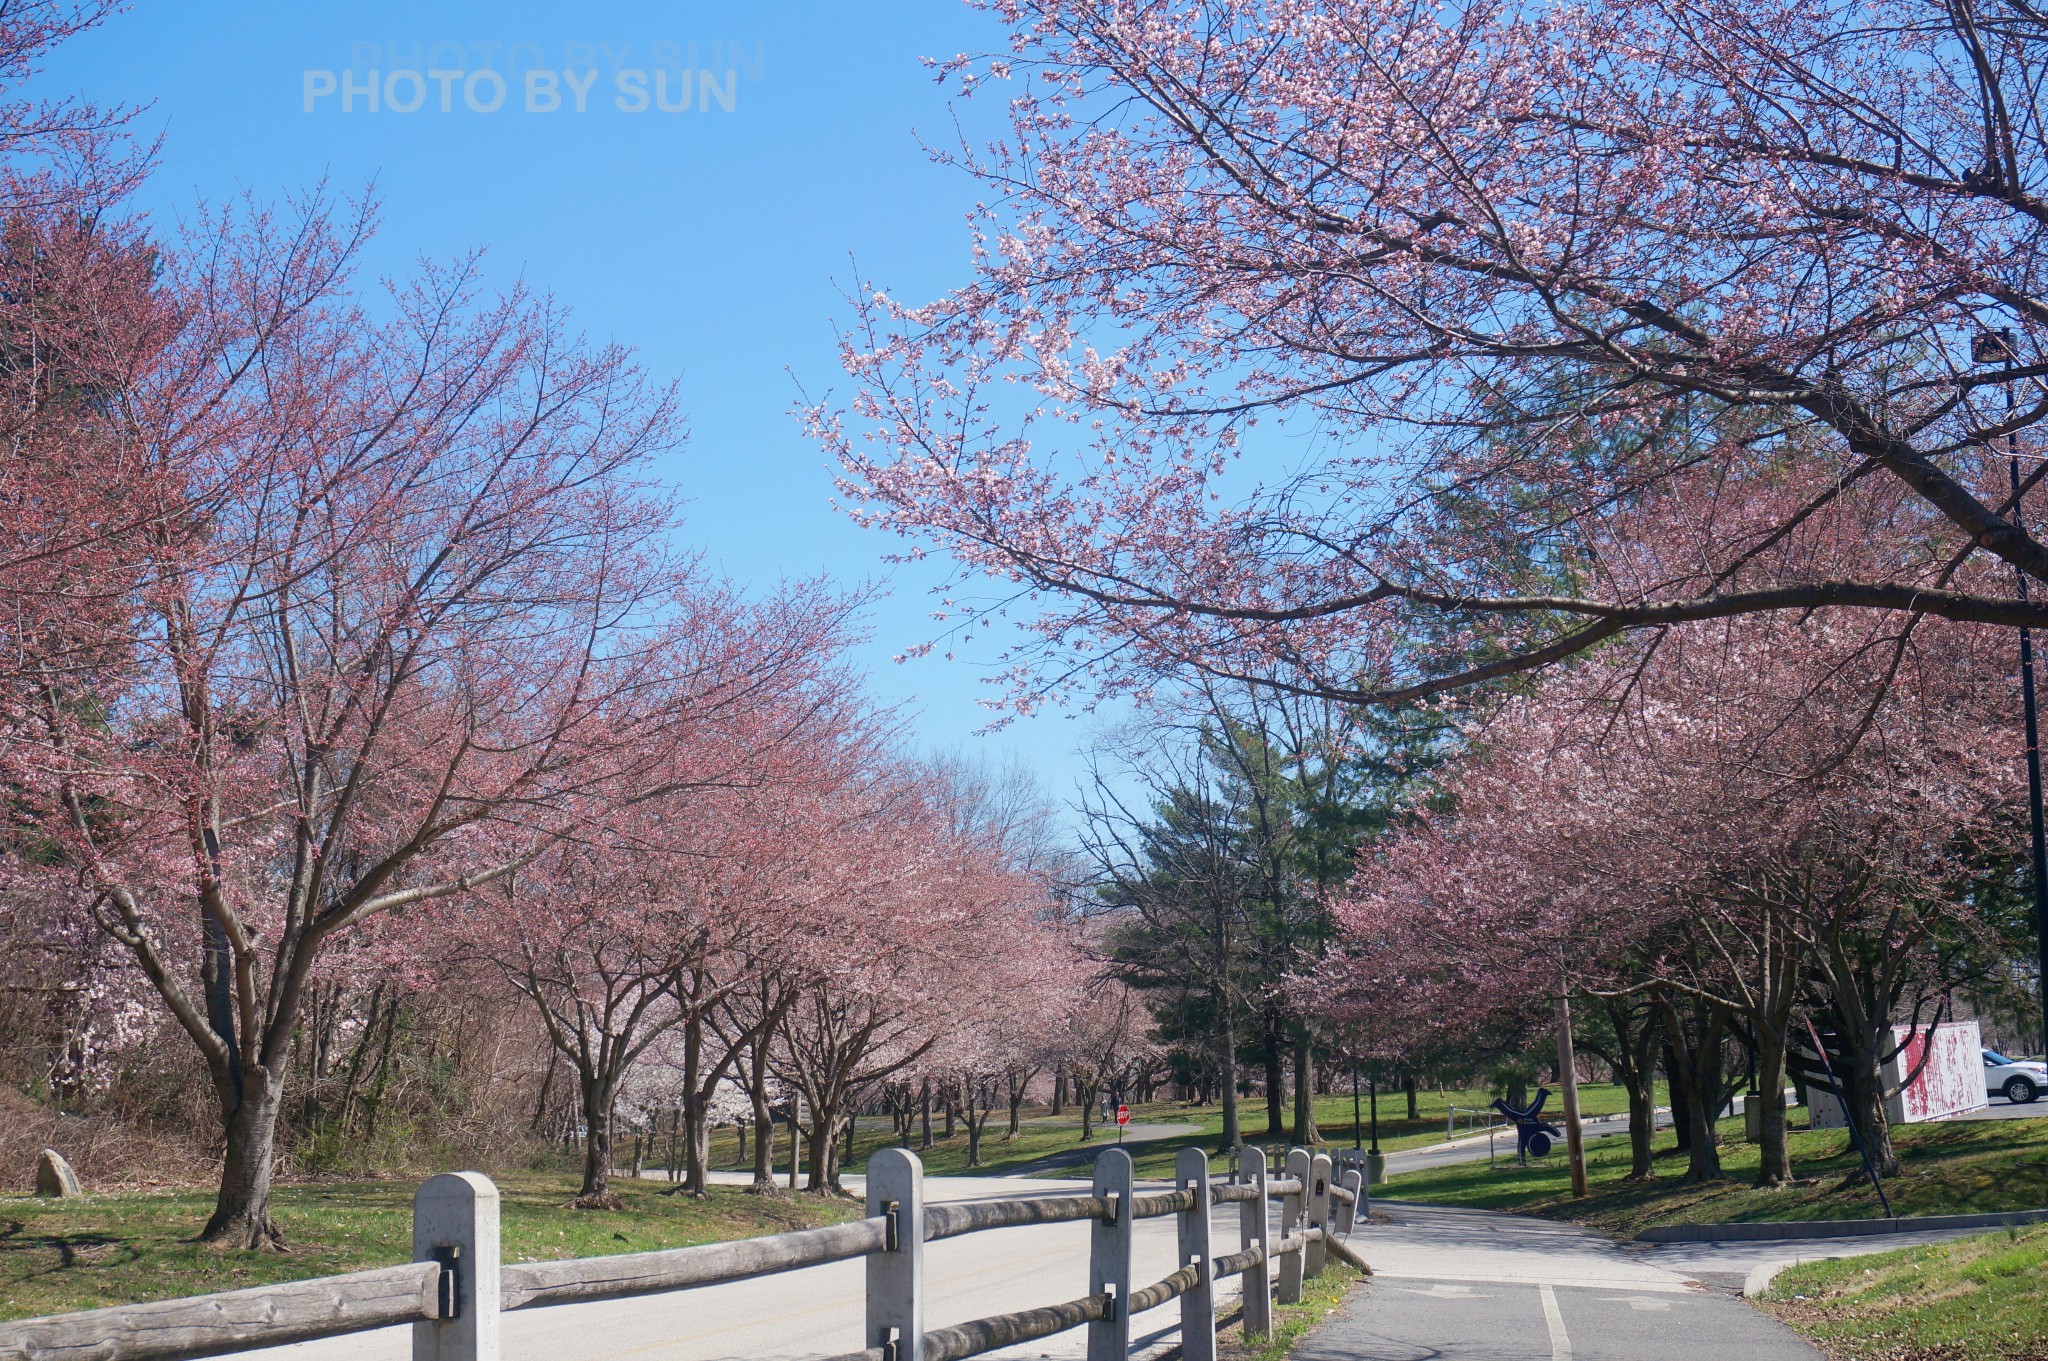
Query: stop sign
(1123, 1115)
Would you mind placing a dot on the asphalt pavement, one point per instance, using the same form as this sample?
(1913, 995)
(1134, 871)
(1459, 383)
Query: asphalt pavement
(1472, 1285)
(2001, 1109)
(1746, 1265)
(1499, 1143)
(1475, 1148)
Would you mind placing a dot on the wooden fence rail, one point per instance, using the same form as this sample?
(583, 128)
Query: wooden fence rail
(455, 1290)
(208, 1325)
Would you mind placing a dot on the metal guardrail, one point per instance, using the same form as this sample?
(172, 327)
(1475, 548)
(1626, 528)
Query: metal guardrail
(456, 1290)
(1480, 1120)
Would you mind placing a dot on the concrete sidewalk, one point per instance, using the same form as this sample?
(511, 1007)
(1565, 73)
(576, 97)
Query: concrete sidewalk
(1747, 1266)
(1473, 1285)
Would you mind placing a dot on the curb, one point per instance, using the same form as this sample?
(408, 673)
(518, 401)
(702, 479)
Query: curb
(1761, 1275)
(1833, 1228)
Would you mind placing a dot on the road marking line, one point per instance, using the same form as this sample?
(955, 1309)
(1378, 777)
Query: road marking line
(1560, 1345)
(1673, 1286)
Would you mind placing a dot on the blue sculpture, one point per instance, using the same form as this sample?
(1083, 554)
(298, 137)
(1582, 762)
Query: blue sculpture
(1533, 1134)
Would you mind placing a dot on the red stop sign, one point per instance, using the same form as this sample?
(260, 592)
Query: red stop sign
(1123, 1115)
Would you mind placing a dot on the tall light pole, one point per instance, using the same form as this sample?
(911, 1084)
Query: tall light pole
(1995, 347)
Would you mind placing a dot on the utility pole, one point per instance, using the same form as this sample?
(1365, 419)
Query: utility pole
(1568, 1078)
(1375, 1161)
(1995, 347)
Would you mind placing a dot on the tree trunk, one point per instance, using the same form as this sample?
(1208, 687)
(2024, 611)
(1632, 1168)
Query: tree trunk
(1408, 1088)
(1638, 1029)
(1017, 1105)
(1773, 1149)
(1305, 1132)
(975, 1124)
(822, 1152)
(596, 1193)
(1642, 1127)
(1864, 1103)
(764, 1119)
(925, 1100)
(694, 1116)
(697, 1155)
(1276, 1083)
(241, 1211)
(1226, 1064)
(1699, 1072)
(1059, 1089)
(1681, 1113)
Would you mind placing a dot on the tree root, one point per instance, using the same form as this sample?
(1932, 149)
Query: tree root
(243, 1233)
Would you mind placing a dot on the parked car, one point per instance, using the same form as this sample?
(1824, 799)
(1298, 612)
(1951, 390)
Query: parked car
(2017, 1080)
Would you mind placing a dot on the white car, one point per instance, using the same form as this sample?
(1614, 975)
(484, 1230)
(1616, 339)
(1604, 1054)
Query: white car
(2017, 1080)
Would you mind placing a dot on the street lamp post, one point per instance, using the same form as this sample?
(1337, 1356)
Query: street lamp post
(1375, 1161)
(1988, 348)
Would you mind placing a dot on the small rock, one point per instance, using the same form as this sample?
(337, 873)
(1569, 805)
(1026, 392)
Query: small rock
(54, 1176)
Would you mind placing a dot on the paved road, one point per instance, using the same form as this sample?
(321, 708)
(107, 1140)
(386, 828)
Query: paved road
(1471, 1285)
(1474, 1149)
(1082, 1156)
(2001, 1109)
(820, 1310)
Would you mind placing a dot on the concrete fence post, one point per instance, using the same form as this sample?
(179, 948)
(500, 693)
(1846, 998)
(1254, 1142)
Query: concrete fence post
(896, 1274)
(455, 1223)
(1251, 1228)
(1109, 1259)
(1318, 1212)
(1290, 1222)
(1198, 1305)
(1348, 1213)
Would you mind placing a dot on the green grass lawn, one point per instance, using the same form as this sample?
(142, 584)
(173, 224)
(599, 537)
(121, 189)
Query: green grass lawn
(57, 1256)
(1961, 1168)
(1043, 1141)
(1969, 1299)
(1320, 1298)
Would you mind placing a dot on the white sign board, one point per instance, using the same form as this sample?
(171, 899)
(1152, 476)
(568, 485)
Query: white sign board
(1950, 1082)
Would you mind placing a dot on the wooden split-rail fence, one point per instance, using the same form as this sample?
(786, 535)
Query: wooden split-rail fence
(455, 1290)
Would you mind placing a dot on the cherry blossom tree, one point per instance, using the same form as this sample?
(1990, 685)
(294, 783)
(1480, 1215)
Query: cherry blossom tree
(754, 898)
(1527, 277)
(1739, 828)
(937, 925)
(411, 624)
(1106, 1031)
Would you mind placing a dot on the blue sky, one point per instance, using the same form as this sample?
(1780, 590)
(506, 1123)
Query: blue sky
(711, 239)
